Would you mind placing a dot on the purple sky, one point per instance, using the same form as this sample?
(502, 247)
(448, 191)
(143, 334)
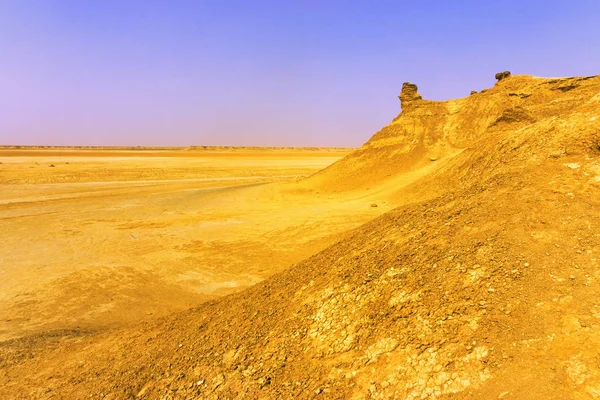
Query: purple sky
(273, 73)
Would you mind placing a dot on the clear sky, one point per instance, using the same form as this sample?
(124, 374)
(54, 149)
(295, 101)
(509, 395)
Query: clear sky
(270, 73)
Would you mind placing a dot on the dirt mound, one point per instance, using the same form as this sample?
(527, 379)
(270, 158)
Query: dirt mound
(484, 286)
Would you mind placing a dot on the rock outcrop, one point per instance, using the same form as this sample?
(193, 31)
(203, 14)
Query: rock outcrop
(409, 94)
(502, 75)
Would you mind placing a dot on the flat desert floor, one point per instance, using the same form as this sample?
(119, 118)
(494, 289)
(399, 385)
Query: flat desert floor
(94, 239)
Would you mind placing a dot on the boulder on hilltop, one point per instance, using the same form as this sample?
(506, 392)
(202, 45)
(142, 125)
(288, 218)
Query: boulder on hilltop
(502, 75)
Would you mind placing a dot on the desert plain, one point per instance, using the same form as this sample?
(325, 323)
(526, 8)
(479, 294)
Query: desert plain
(98, 238)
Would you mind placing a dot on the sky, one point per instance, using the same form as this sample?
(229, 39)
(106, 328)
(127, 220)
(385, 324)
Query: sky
(264, 73)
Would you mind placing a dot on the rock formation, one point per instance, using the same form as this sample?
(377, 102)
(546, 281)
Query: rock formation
(409, 94)
(502, 75)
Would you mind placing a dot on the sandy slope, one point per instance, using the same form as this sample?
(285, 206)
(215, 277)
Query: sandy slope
(483, 283)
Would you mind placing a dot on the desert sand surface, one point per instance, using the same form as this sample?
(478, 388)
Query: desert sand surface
(455, 255)
(96, 238)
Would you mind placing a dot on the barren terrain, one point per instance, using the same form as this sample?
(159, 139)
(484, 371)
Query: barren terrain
(97, 238)
(454, 255)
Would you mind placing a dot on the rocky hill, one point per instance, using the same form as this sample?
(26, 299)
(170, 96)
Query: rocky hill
(485, 284)
(433, 131)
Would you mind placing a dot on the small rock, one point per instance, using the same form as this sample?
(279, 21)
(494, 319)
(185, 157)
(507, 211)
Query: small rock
(571, 277)
(220, 380)
(473, 92)
(573, 165)
(373, 205)
(432, 158)
(521, 95)
(319, 391)
(52, 165)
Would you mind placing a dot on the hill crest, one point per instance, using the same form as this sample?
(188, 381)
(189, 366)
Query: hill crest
(427, 131)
